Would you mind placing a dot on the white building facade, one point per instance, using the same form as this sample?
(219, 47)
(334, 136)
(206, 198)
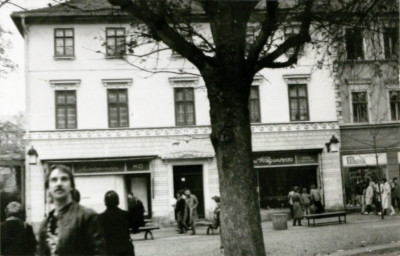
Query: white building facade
(120, 128)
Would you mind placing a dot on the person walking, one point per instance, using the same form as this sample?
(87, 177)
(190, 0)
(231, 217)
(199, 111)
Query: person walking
(316, 198)
(17, 237)
(115, 223)
(181, 212)
(359, 190)
(290, 201)
(369, 197)
(136, 212)
(192, 204)
(396, 192)
(386, 191)
(297, 207)
(306, 199)
(69, 229)
(377, 199)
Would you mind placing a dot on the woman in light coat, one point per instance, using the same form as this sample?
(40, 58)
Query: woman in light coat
(369, 196)
(386, 191)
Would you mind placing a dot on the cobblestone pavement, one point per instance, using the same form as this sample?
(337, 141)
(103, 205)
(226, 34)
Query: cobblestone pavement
(360, 231)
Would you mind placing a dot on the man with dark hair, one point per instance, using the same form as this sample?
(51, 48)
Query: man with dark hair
(181, 211)
(17, 237)
(69, 229)
(192, 203)
(136, 212)
(115, 224)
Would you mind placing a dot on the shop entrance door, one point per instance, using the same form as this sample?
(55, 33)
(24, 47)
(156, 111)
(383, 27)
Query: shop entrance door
(191, 177)
(139, 185)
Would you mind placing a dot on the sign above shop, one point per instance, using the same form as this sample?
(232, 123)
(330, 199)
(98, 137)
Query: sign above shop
(364, 160)
(289, 158)
(137, 166)
(91, 167)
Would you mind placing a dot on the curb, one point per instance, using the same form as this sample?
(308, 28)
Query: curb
(368, 250)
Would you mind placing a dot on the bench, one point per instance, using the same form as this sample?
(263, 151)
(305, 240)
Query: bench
(147, 228)
(208, 224)
(326, 215)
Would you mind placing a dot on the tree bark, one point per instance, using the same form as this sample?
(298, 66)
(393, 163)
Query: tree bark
(228, 93)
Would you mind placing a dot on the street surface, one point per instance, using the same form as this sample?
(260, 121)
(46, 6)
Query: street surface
(360, 231)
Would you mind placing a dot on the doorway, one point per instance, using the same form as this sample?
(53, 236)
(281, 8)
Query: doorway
(191, 177)
(139, 185)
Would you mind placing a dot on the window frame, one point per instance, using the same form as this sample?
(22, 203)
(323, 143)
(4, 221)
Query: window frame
(298, 102)
(65, 105)
(353, 38)
(352, 106)
(176, 109)
(398, 105)
(118, 104)
(387, 39)
(258, 104)
(55, 37)
(115, 37)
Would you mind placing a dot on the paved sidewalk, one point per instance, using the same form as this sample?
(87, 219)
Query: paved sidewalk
(361, 231)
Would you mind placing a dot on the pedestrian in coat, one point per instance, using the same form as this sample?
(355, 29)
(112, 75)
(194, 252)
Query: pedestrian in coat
(192, 204)
(115, 223)
(396, 192)
(290, 201)
(17, 237)
(136, 212)
(69, 229)
(181, 212)
(316, 198)
(306, 199)
(369, 197)
(386, 191)
(297, 207)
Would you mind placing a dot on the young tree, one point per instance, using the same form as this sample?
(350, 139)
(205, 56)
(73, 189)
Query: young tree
(228, 62)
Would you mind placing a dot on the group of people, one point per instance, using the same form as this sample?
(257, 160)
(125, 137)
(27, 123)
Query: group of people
(186, 211)
(383, 195)
(70, 228)
(302, 203)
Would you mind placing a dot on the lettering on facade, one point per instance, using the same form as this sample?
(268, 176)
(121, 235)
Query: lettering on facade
(137, 166)
(267, 160)
(352, 160)
(276, 159)
(99, 167)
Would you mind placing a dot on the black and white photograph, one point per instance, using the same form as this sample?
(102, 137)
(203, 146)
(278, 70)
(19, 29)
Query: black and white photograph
(200, 127)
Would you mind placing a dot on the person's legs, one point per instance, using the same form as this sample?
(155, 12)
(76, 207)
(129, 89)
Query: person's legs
(398, 203)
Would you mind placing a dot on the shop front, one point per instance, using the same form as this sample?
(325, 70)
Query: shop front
(359, 169)
(279, 172)
(94, 177)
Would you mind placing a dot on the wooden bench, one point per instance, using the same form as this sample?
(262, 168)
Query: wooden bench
(147, 228)
(326, 215)
(208, 224)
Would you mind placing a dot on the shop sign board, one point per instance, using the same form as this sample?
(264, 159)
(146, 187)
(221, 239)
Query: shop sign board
(364, 160)
(93, 167)
(137, 166)
(277, 159)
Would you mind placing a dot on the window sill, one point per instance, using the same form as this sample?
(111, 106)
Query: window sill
(114, 57)
(64, 57)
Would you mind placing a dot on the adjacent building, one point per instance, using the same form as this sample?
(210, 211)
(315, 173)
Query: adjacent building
(124, 129)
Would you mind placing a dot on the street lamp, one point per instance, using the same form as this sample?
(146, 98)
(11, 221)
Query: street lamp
(33, 155)
(333, 144)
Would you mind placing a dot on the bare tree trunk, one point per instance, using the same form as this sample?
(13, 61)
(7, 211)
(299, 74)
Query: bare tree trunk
(231, 138)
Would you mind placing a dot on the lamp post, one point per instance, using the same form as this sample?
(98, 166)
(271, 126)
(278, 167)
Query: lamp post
(32, 155)
(333, 144)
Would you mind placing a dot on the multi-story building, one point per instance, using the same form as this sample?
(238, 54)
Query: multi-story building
(124, 129)
(368, 100)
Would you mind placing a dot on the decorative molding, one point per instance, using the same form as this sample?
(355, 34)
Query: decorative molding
(183, 81)
(297, 78)
(365, 81)
(65, 84)
(257, 80)
(172, 131)
(187, 156)
(117, 83)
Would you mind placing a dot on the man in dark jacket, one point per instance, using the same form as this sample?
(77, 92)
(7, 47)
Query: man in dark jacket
(69, 229)
(17, 237)
(115, 224)
(181, 212)
(136, 212)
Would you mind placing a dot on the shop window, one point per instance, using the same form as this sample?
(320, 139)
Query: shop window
(66, 110)
(254, 105)
(360, 107)
(118, 111)
(395, 105)
(298, 102)
(115, 42)
(354, 44)
(64, 42)
(184, 106)
(390, 39)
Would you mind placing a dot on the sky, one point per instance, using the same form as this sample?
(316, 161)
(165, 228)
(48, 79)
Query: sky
(12, 87)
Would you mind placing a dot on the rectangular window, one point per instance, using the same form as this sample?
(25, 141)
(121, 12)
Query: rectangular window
(184, 106)
(254, 105)
(66, 110)
(291, 31)
(354, 44)
(63, 42)
(115, 42)
(118, 111)
(390, 38)
(360, 107)
(298, 102)
(395, 105)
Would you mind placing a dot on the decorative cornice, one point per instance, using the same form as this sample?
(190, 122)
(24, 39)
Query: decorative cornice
(172, 131)
(297, 78)
(187, 156)
(183, 81)
(65, 84)
(117, 83)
